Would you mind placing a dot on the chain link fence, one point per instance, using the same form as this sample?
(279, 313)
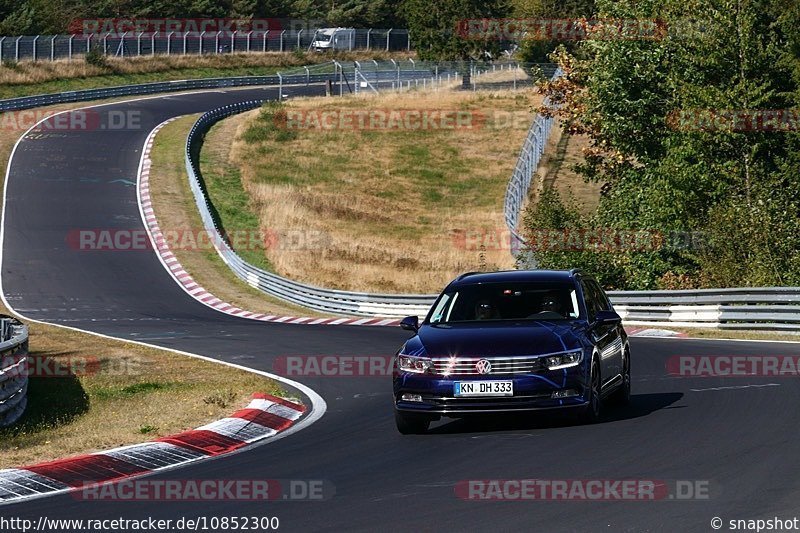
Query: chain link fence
(520, 183)
(52, 47)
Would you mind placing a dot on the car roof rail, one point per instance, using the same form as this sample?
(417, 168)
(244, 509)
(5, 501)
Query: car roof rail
(466, 274)
(575, 271)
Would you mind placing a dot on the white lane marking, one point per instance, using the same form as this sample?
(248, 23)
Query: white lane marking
(716, 339)
(737, 387)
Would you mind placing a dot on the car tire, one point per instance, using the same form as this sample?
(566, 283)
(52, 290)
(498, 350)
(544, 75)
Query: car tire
(622, 396)
(591, 413)
(411, 423)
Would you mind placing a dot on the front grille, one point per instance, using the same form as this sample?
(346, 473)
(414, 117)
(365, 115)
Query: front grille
(466, 366)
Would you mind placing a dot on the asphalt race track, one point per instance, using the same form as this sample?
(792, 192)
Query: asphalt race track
(739, 438)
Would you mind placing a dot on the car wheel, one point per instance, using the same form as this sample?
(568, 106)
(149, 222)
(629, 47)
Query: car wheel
(622, 396)
(591, 413)
(411, 423)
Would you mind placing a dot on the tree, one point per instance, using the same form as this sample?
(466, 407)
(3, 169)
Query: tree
(434, 27)
(664, 145)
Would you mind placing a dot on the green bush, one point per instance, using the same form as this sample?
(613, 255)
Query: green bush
(95, 57)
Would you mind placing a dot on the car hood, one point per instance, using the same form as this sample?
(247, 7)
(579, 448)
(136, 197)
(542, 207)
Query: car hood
(519, 338)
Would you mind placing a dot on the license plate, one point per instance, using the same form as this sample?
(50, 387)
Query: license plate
(483, 388)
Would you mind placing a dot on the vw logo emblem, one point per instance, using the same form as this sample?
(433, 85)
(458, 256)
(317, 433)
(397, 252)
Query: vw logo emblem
(483, 366)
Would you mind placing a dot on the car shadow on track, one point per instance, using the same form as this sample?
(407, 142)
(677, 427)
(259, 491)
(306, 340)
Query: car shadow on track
(639, 406)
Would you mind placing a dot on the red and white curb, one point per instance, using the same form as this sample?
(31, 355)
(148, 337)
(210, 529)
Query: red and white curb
(186, 281)
(265, 417)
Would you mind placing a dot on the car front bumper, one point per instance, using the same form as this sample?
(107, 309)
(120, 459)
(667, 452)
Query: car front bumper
(532, 392)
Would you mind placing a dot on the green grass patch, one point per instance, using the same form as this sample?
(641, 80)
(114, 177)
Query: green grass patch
(224, 186)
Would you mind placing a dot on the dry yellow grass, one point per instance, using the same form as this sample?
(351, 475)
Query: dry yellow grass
(176, 211)
(139, 394)
(557, 170)
(395, 207)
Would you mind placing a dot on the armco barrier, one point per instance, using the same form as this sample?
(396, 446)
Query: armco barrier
(27, 102)
(326, 300)
(753, 308)
(13, 370)
(774, 308)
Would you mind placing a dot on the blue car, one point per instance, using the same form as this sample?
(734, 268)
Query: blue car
(512, 341)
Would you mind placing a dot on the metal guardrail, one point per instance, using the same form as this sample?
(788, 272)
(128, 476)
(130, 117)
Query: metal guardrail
(328, 71)
(769, 308)
(13, 370)
(774, 308)
(320, 299)
(28, 102)
(133, 44)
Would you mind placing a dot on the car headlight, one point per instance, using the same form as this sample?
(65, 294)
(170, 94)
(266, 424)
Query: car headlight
(564, 360)
(410, 363)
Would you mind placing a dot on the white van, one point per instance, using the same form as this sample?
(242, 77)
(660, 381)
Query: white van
(334, 39)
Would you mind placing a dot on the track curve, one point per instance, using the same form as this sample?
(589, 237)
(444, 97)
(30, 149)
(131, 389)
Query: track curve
(739, 439)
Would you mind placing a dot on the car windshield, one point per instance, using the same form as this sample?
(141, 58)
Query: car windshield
(507, 301)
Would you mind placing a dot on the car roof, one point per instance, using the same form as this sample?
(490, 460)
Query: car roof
(547, 276)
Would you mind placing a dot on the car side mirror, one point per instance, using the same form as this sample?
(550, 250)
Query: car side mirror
(607, 317)
(410, 323)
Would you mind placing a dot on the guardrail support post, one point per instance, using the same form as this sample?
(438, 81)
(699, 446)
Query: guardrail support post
(308, 75)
